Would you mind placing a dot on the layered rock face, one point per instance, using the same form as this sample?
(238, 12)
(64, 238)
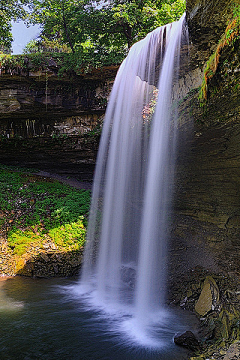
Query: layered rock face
(46, 95)
(45, 119)
(207, 197)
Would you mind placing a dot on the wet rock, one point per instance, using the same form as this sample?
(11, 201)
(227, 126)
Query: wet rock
(233, 222)
(128, 276)
(206, 22)
(187, 340)
(233, 352)
(209, 297)
(55, 267)
(208, 329)
(45, 257)
(44, 264)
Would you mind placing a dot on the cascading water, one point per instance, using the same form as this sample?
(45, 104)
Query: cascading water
(125, 256)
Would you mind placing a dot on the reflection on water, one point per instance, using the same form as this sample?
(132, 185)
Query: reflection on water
(53, 323)
(6, 303)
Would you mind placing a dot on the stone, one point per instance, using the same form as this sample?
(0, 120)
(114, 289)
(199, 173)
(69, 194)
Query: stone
(55, 267)
(187, 340)
(208, 298)
(208, 330)
(128, 276)
(45, 257)
(233, 352)
(206, 22)
(208, 173)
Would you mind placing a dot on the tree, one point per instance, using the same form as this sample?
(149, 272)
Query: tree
(101, 32)
(57, 18)
(10, 10)
(129, 21)
(115, 22)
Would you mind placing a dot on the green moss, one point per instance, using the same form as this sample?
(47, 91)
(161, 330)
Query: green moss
(34, 209)
(20, 240)
(72, 234)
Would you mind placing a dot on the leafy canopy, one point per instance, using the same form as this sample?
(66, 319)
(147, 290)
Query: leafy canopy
(94, 32)
(102, 29)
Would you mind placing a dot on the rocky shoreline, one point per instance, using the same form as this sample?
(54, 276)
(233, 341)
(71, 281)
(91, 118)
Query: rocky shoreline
(215, 299)
(49, 262)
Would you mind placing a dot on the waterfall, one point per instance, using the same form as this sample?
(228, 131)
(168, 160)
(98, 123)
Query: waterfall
(125, 256)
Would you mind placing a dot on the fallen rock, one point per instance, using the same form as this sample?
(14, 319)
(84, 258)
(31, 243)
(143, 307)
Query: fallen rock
(233, 352)
(208, 298)
(187, 340)
(128, 276)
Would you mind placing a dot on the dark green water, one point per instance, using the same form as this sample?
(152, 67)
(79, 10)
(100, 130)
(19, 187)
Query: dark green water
(43, 319)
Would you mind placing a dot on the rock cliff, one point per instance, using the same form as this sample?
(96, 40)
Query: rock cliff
(207, 20)
(207, 197)
(45, 118)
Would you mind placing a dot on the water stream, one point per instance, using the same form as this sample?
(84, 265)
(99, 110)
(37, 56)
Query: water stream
(125, 265)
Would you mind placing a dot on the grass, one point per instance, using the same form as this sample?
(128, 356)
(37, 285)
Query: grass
(34, 210)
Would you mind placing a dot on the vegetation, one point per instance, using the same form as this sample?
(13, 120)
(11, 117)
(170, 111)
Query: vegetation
(103, 24)
(36, 210)
(149, 109)
(100, 33)
(90, 33)
(232, 33)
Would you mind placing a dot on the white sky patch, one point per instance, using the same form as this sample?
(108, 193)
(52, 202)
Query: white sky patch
(22, 35)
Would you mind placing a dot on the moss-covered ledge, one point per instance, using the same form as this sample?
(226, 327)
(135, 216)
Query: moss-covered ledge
(42, 225)
(61, 66)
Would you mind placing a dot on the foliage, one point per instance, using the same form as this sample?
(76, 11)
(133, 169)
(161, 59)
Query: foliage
(231, 34)
(92, 33)
(65, 62)
(33, 208)
(65, 236)
(101, 32)
(69, 234)
(45, 45)
(116, 23)
(8, 61)
(38, 61)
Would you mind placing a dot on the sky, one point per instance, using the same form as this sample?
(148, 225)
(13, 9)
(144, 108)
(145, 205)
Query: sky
(22, 35)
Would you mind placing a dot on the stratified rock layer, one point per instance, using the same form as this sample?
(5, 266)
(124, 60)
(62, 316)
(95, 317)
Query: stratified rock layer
(207, 196)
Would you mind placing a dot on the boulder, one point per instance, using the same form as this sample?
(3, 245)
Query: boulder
(233, 352)
(187, 340)
(128, 276)
(208, 298)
